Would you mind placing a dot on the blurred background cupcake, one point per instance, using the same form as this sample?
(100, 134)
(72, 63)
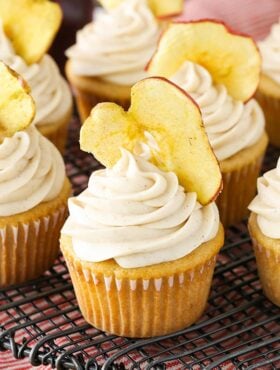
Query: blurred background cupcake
(264, 227)
(268, 93)
(50, 90)
(110, 55)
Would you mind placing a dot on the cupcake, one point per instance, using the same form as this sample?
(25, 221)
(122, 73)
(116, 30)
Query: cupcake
(102, 65)
(268, 93)
(140, 247)
(33, 199)
(264, 227)
(221, 78)
(50, 91)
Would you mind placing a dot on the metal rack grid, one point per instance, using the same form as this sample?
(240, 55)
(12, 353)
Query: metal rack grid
(239, 330)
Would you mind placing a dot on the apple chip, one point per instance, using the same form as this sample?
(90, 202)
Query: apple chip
(31, 25)
(176, 135)
(160, 8)
(17, 108)
(232, 59)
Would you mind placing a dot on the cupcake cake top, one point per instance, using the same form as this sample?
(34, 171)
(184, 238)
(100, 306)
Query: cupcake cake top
(31, 168)
(146, 209)
(117, 45)
(221, 77)
(266, 205)
(270, 50)
(49, 90)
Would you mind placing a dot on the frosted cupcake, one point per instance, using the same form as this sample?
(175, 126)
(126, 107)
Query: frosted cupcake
(264, 227)
(34, 187)
(268, 94)
(104, 65)
(220, 79)
(50, 91)
(139, 246)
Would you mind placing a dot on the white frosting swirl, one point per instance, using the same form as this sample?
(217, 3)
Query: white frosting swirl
(31, 172)
(117, 45)
(267, 203)
(138, 215)
(270, 51)
(49, 89)
(230, 124)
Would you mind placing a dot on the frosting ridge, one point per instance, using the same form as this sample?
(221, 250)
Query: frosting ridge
(138, 215)
(31, 172)
(120, 54)
(230, 124)
(267, 203)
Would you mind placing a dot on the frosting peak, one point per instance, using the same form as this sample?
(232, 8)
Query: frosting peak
(31, 172)
(230, 125)
(138, 215)
(267, 203)
(120, 53)
(49, 90)
(270, 51)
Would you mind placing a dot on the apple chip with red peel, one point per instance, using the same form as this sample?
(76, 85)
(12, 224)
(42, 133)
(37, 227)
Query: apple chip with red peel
(232, 59)
(17, 108)
(176, 138)
(31, 25)
(160, 8)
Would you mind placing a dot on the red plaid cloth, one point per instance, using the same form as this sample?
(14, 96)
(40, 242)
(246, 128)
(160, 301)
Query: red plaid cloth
(253, 17)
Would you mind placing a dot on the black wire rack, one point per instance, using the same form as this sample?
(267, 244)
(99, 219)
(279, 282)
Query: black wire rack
(239, 330)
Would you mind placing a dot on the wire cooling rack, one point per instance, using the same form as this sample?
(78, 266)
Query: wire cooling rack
(239, 330)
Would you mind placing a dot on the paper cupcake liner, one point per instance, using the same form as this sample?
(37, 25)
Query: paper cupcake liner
(271, 109)
(86, 101)
(27, 249)
(29, 241)
(57, 133)
(141, 307)
(239, 188)
(268, 261)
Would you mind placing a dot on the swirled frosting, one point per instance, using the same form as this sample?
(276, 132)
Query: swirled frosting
(270, 51)
(230, 124)
(138, 215)
(267, 203)
(31, 172)
(49, 89)
(117, 45)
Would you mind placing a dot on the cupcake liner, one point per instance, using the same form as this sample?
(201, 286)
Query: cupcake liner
(268, 262)
(29, 241)
(29, 249)
(143, 302)
(271, 109)
(239, 188)
(57, 133)
(87, 100)
(89, 91)
(240, 183)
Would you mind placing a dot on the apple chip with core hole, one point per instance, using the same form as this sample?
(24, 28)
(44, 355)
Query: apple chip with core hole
(164, 117)
(31, 25)
(233, 60)
(160, 8)
(17, 108)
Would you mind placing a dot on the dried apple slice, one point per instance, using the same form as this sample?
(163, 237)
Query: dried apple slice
(160, 8)
(232, 59)
(166, 8)
(173, 119)
(17, 108)
(31, 25)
